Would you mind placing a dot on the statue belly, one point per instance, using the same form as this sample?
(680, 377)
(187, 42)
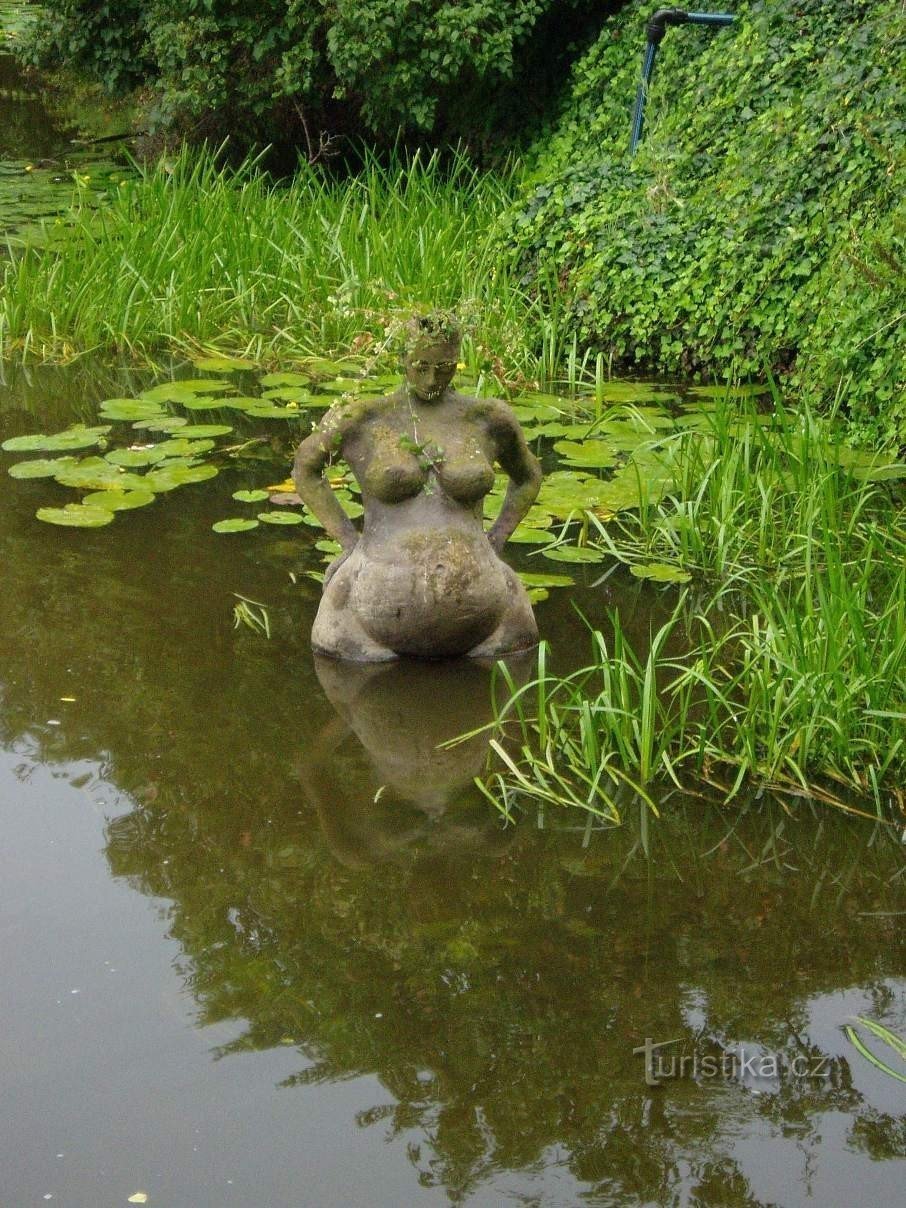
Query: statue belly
(437, 593)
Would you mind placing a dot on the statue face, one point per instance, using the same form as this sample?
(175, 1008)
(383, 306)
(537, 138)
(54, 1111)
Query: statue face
(430, 369)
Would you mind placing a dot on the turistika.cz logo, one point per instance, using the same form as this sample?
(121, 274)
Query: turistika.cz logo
(731, 1065)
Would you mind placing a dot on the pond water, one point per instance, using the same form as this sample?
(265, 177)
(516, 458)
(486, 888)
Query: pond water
(263, 943)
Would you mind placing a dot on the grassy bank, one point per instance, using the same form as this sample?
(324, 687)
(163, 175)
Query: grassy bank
(784, 664)
(191, 253)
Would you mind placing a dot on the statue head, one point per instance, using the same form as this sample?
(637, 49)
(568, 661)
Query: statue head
(432, 349)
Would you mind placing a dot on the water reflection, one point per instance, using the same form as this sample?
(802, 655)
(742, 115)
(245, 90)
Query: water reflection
(339, 890)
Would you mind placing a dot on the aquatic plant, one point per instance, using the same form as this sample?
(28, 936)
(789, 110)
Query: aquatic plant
(783, 666)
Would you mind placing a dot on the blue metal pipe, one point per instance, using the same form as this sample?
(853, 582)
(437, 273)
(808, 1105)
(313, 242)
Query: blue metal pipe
(656, 29)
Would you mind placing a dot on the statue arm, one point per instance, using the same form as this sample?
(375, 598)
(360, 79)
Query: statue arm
(313, 488)
(524, 470)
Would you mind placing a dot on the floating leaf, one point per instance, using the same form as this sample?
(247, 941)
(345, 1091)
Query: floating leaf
(166, 423)
(76, 515)
(328, 546)
(42, 467)
(660, 572)
(532, 579)
(274, 412)
(179, 446)
(573, 553)
(284, 499)
(77, 437)
(168, 478)
(288, 394)
(119, 501)
(222, 364)
(239, 402)
(130, 457)
(537, 594)
(191, 431)
(250, 496)
(531, 536)
(96, 474)
(235, 525)
(204, 403)
(132, 408)
(272, 380)
(587, 452)
(280, 517)
(186, 387)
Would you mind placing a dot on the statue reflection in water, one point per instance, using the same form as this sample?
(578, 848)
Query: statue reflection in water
(403, 786)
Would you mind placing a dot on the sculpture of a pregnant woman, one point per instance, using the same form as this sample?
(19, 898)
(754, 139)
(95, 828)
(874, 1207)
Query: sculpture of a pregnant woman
(423, 577)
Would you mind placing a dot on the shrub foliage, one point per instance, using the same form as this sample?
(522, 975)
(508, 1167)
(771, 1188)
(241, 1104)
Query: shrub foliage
(285, 71)
(760, 221)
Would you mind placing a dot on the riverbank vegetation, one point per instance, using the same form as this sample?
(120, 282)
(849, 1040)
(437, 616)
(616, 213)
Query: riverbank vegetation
(783, 666)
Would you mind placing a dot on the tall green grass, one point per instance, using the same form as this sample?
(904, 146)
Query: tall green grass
(195, 253)
(783, 665)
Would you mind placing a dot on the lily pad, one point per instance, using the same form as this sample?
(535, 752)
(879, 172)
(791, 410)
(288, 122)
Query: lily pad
(76, 515)
(234, 525)
(272, 380)
(532, 579)
(42, 467)
(179, 391)
(250, 496)
(531, 536)
(204, 403)
(291, 411)
(660, 572)
(598, 453)
(96, 474)
(223, 364)
(130, 457)
(132, 409)
(288, 394)
(77, 437)
(168, 478)
(193, 431)
(280, 517)
(179, 446)
(119, 501)
(166, 423)
(573, 553)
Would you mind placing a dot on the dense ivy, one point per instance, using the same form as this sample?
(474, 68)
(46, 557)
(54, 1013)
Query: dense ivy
(303, 70)
(760, 221)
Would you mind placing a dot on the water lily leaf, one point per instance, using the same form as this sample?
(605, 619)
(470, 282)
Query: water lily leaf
(660, 572)
(587, 452)
(119, 501)
(179, 446)
(351, 507)
(130, 457)
(166, 423)
(191, 431)
(533, 579)
(325, 368)
(132, 408)
(280, 517)
(234, 525)
(178, 391)
(530, 411)
(42, 467)
(239, 402)
(343, 385)
(627, 392)
(274, 380)
(573, 553)
(96, 474)
(531, 536)
(328, 546)
(76, 515)
(291, 411)
(77, 437)
(169, 477)
(288, 394)
(250, 496)
(204, 403)
(727, 391)
(537, 594)
(285, 499)
(222, 364)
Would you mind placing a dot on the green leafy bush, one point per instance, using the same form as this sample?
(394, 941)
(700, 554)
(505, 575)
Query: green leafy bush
(756, 223)
(291, 71)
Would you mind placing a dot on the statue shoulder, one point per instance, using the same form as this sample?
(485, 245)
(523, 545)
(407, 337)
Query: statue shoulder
(497, 415)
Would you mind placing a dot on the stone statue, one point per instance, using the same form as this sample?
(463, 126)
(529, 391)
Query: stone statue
(423, 577)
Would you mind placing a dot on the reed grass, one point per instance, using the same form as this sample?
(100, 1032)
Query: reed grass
(191, 252)
(783, 666)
